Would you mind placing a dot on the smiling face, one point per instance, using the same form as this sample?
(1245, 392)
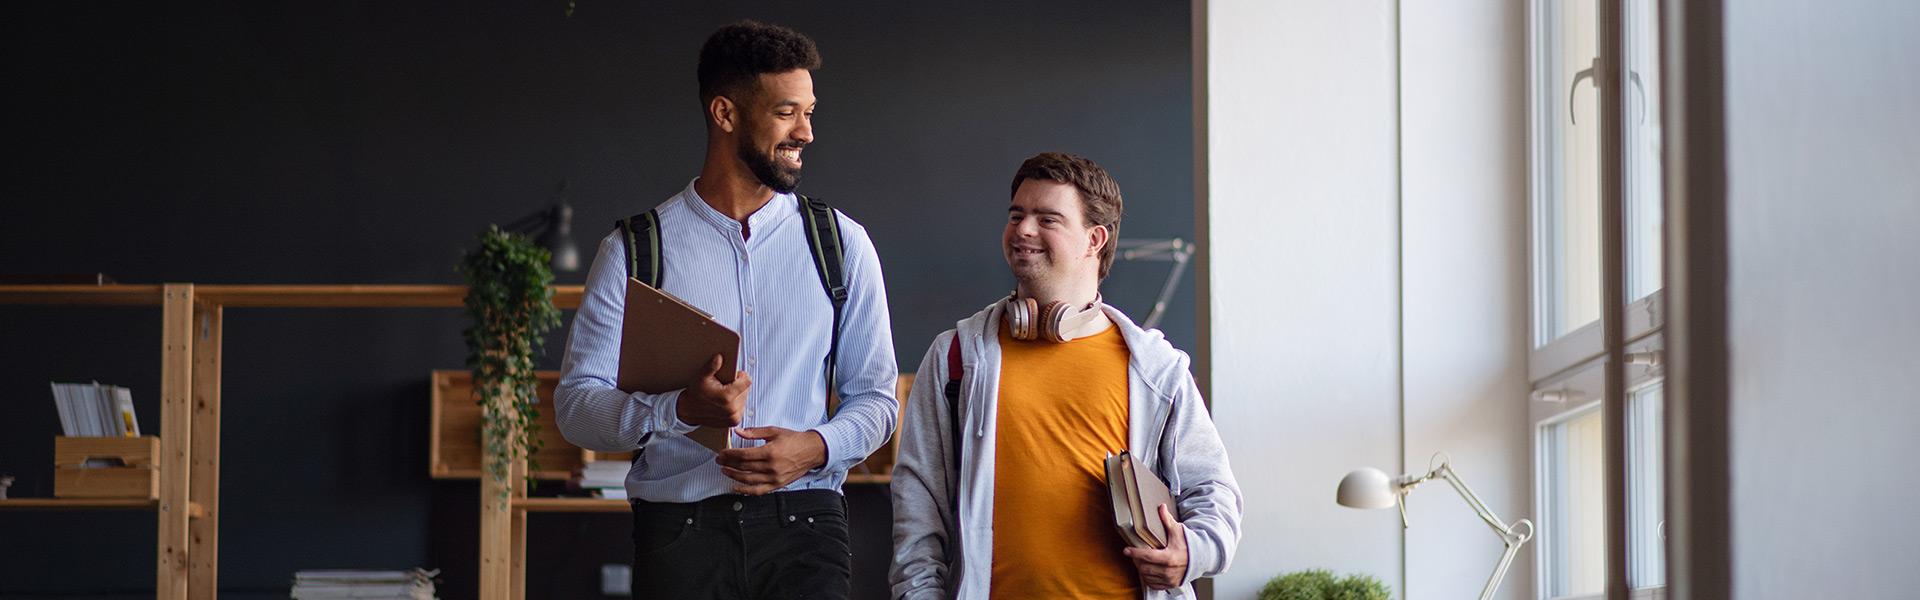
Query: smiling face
(1047, 239)
(775, 125)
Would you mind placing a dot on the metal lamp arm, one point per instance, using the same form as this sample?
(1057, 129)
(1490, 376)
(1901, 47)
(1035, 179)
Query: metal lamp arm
(1512, 536)
(534, 223)
(1175, 250)
(1473, 500)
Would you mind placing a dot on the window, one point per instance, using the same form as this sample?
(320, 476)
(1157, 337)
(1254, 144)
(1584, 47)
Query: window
(1573, 538)
(1568, 299)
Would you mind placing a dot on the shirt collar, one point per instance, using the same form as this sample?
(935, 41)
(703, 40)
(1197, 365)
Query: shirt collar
(764, 219)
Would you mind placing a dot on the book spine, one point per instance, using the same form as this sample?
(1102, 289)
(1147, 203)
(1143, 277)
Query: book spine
(81, 401)
(60, 404)
(123, 403)
(104, 408)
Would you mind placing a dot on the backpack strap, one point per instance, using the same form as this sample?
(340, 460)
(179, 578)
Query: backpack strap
(823, 240)
(643, 247)
(642, 232)
(953, 401)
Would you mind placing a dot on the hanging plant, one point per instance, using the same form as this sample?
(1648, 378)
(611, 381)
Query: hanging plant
(510, 299)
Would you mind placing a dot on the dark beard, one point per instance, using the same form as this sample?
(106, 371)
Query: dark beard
(781, 179)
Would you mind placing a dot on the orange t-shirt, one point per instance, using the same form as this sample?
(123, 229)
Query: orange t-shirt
(1063, 408)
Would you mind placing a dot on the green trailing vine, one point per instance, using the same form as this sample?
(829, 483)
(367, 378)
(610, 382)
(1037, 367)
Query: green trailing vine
(510, 300)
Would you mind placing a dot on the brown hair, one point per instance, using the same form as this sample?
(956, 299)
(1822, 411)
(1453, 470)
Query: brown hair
(1099, 194)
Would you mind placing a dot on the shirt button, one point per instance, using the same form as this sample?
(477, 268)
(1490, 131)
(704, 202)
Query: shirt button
(749, 309)
(737, 506)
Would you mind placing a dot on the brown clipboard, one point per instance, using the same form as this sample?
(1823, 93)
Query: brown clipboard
(666, 342)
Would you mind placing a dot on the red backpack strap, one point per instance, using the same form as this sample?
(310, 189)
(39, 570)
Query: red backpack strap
(953, 399)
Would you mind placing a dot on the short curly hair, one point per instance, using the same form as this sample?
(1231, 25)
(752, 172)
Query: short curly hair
(1100, 200)
(736, 55)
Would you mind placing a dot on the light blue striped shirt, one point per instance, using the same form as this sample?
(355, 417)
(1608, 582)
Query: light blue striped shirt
(767, 289)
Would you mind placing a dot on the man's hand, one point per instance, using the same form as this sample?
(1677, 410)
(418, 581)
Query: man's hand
(786, 456)
(1164, 568)
(707, 402)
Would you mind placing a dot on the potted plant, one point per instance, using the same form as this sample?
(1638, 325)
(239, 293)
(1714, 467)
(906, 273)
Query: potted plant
(510, 299)
(1321, 584)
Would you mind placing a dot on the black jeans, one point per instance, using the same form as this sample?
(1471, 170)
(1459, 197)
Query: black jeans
(787, 545)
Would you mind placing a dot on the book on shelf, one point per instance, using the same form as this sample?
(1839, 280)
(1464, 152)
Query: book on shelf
(604, 473)
(95, 410)
(410, 584)
(605, 478)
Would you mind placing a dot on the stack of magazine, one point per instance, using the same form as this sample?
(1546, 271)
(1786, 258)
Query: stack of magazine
(605, 478)
(411, 584)
(95, 410)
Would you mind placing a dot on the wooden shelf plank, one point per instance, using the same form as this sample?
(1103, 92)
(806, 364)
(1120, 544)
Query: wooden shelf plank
(77, 504)
(571, 505)
(356, 296)
(267, 296)
(98, 295)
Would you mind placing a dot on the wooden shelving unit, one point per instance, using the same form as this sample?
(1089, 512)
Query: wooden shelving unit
(21, 504)
(187, 512)
(569, 505)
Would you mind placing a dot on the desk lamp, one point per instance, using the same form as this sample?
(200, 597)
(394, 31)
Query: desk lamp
(552, 228)
(1369, 488)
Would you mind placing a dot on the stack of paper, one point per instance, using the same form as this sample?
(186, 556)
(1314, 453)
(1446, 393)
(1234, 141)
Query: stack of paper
(412, 584)
(95, 410)
(606, 478)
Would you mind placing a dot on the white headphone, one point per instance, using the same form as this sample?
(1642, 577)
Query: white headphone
(1056, 322)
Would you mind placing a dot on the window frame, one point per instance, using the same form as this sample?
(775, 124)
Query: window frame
(1574, 362)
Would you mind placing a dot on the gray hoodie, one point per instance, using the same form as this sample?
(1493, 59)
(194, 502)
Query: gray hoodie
(1168, 430)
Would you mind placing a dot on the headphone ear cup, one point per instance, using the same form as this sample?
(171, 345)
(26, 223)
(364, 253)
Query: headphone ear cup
(1042, 327)
(1020, 313)
(1032, 312)
(1051, 319)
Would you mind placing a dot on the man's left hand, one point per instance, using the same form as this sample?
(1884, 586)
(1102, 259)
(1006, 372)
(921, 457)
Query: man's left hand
(786, 456)
(1164, 568)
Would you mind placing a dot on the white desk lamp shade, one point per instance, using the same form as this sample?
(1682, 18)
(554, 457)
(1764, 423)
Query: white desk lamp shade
(1366, 488)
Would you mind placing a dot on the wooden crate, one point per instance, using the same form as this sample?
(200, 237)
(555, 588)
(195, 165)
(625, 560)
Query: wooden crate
(456, 449)
(136, 476)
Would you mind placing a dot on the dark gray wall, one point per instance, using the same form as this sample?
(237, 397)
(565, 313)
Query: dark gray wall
(265, 142)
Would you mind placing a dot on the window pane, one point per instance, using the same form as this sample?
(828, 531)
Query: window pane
(1570, 226)
(1646, 514)
(1642, 161)
(1575, 533)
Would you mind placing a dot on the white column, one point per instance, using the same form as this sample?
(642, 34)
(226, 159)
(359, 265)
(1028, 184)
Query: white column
(1300, 214)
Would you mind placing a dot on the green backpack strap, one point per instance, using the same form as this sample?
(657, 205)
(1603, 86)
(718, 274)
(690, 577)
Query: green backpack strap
(823, 240)
(643, 247)
(642, 232)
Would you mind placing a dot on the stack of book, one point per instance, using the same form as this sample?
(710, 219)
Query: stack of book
(95, 410)
(412, 584)
(605, 478)
(1137, 496)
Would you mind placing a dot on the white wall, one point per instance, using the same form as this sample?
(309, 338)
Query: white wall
(1464, 254)
(1301, 217)
(1823, 152)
